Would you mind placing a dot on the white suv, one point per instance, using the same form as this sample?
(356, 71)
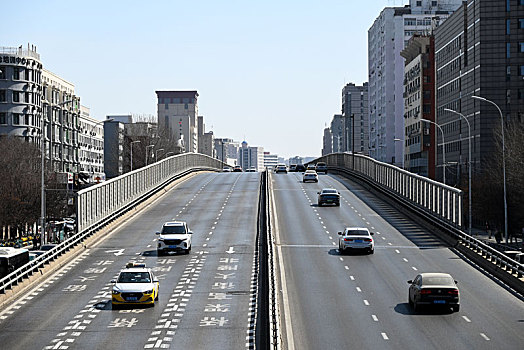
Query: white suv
(175, 236)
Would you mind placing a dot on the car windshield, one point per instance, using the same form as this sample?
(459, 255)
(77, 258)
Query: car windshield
(134, 277)
(438, 281)
(357, 233)
(173, 229)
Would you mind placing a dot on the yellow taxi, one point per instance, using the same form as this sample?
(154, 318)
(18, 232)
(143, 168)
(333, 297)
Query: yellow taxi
(136, 285)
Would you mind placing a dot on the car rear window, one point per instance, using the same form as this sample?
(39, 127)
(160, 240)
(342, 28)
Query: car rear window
(438, 281)
(173, 229)
(329, 191)
(356, 233)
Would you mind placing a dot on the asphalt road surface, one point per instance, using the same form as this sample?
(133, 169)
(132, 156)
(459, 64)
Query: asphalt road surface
(204, 296)
(359, 301)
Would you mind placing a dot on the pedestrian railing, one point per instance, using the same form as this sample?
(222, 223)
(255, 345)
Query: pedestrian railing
(98, 205)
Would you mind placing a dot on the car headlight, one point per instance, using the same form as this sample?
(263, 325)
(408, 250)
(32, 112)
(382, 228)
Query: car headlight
(161, 239)
(116, 291)
(149, 291)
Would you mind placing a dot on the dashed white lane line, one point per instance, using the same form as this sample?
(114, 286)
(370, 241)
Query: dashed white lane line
(346, 267)
(359, 290)
(366, 302)
(414, 268)
(375, 318)
(406, 260)
(341, 259)
(384, 336)
(334, 243)
(352, 278)
(484, 336)
(397, 251)
(466, 319)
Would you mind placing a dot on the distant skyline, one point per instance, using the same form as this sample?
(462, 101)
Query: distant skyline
(270, 73)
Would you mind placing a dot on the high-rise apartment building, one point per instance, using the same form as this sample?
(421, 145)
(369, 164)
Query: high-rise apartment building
(419, 103)
(34, 100)
(327, 142)
(90, 147)
(338, 130)
(355, 118)
(478, 51)
(387, 37)
(177, 118)
(251, 157)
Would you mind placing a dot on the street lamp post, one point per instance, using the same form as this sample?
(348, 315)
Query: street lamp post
(42, 175)
(469, 170)
(147, 151)
(503, 162)
(443, 148)
(132, 142)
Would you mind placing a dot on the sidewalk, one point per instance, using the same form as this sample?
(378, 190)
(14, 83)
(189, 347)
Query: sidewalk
(502, 246)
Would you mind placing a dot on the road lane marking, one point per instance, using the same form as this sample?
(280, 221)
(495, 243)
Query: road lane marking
(385, 336)
(366, 302)
(414, 268)
(466, 319)
(352, 278)
(359, 290)
(346, 267)
(484, 336)
(406, 260)
(397, 251)
(375, 318)
(341, 259)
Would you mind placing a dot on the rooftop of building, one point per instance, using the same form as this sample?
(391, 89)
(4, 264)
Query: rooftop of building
(177, 94)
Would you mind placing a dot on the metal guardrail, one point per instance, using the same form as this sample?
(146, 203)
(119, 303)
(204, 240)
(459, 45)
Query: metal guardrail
(436, 202)
(98, 205)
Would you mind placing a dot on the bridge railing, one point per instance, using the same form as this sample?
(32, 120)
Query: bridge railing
(99, 204)
(438, 202)
(436, 199)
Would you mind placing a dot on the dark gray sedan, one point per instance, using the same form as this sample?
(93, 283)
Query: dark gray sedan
(434, 289)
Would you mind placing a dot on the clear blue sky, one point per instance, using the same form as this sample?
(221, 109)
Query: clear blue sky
(270, 72)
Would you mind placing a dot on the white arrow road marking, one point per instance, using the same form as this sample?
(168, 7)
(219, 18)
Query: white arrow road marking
(230, 250)
(117, 252)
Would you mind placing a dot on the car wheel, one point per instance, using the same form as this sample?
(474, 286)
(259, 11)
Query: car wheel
(156, 298)
(372, 251)
(159, 253)
(337, 204)
(410, 302)
(187, 251)
(341, 250)
(456, 308)
(319, 204)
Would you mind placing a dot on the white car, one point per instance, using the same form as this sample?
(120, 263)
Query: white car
(357, 238)
(310, 175)
(281, 168)
(174, 237)
(136, 284)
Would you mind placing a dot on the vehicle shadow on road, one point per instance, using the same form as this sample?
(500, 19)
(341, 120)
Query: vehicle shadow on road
(405, 309)
(335, 251)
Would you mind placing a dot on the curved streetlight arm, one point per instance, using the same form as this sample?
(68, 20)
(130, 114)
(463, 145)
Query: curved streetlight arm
(503, 161)
(443, 147)
(469, 168)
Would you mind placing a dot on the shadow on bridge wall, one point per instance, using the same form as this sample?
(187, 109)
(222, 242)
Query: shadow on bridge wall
(412, 231)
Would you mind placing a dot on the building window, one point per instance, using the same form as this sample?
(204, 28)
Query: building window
(521, 45)
(508, 50)
(16, 96)
(186, 106)
(16, 118)
(166, 106)
(3, 118)
(16, 73)
(2, 96)
(419, 3)
(508, 26)
(522, 70)
(2, 72)
(508, 73)
(521, 23)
